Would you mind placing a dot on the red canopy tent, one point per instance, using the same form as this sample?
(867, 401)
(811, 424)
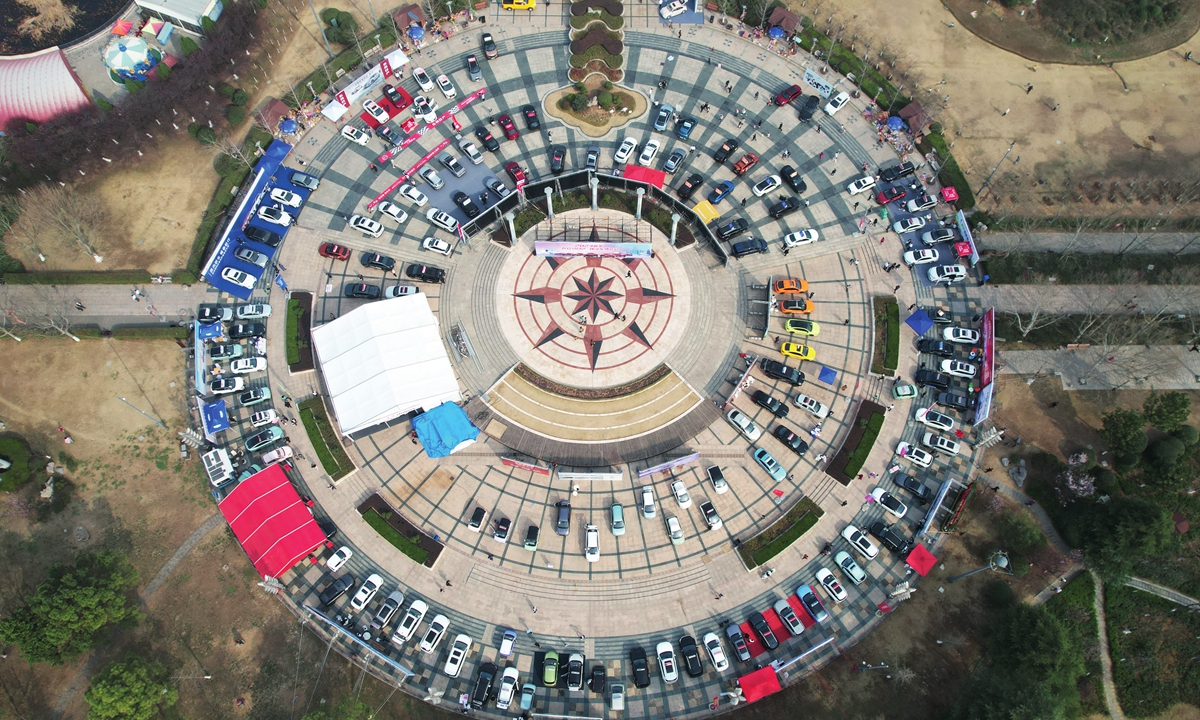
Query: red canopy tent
(644, 174)
(271, 522)
(921, 560)
(122, 27)
(962, 249)
(949, 194)
(759, 684)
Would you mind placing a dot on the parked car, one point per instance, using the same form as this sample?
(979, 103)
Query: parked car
(759, 624)
(338, 559)
(888, 502)
(489, 47)
(791, 440)
(663, 117)
(711, 518)
(667, 666)
(408, 624)
(362, 290)
(766, 185)
(788, 94)
(691, 656)
(717, 478)
(627, 147)
(768, 462)
(458, 653)
(679, 490)
(744, 425)
(390, 605)
(837, 102)
(336, 589)
(914, 486)
(812, 603)
(262, 235)
(915, 455)
(764, 400)
(792, 178)
(239, 278)
(641, 670)
(780, 371)
(530, 114)
(366, 592)
(891, 539)
(433, 636)
(752, 246)
(804, 402)
(740, 647)
(674, 530)
(961, 335)
(896, 172)
(861, 543)
(226, 385)
(254, 311)
(853, 571)
(727, 148)
(508, 688)
(562, 524)
(689, 186)
(550, 669)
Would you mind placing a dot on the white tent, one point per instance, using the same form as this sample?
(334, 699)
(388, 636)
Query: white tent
(383, 360)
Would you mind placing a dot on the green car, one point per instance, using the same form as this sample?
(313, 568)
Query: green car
(550, 669)
(255, 396)
(260, 440)
(797, 326)
(903, 391)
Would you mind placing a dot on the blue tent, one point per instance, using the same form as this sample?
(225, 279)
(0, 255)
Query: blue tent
(919, 322)
(827, 375)
(776, 32)
(215, 417)
(416, 33)
(444, 429)
(895, 123)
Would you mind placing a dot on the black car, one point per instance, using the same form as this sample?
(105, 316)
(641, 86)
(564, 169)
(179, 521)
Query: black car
(598, 679)
(727, 148)
(785, 206)
(891, 539)
(940, 348)
(394, 97)
(558, 154)
(691, 656)
(465, 203)
(486, 138)
(428, 273)
(532, 122)
(808, 108)
(792, 178)
(731, 228)
(689, 186)
(489, 47)
(240, 331)
(762, 399)
(362, 290)
(377, 261)
(208, 314)
(895, 172)
(327, 526)
(913, 485)
(953, 401)
(780, 371)
(753, 246)
(483, 685)
(931, 378)
(641, 671)
(266, 237)
(385, 134)
(794, 442)
(574, 673)
(336, 589)
(759, 623)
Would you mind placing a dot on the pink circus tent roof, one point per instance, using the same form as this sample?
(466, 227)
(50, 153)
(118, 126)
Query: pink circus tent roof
(38, 87)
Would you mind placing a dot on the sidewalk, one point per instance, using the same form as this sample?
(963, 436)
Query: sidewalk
(1099, 242)
(1092, 299)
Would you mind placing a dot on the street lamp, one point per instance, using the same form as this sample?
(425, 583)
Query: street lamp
(450, 10)
(997, 562)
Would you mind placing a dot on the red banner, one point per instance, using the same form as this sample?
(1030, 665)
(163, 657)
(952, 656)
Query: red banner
(407, 174)
(988, 331)
(536, 469)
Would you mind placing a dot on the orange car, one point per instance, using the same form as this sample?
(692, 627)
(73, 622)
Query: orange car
(791, 286)
(802, 306)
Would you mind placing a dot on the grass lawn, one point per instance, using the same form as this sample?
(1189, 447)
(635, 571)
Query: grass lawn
(403, 544)
(293, 331)
(1154, 666)
(15, 450)
(859, 456)
(785, 531)
(324, 438)
(1075, 606)
(886, 357)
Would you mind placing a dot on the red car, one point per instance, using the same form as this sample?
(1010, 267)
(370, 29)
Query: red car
(788, 95)
(506, 124)
(892, 194)
(515, 172)
(337, 252)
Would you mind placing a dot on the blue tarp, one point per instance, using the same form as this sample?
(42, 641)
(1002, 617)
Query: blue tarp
(827, 375)
(215, 416)
(208, 331)
(443, 429)
(919, 322)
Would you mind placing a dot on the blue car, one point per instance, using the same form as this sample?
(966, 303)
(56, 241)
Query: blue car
(720, 191)
(684, 129)
(770, 464)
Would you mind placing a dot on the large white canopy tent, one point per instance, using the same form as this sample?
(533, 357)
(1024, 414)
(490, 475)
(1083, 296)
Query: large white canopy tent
(382, 361)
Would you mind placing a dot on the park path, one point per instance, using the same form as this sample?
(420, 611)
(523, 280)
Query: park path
(1110, 688)
(1163, 592)
(1101, 242)
(1050, 298)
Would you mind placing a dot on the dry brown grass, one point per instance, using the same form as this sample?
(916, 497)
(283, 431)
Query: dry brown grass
(53, 16)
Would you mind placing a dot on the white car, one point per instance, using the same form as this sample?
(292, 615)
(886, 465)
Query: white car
(923, 256)
(787, 614)
(276, 215)
(674, 530)
(766, 185)
(591, 536)
(244, 366)
(861, 184)
(947, 273)
(627, 148)
(667, 665)
(939, 443)
(393, 211)
(800, 237)
(437, 245)
(458, 653)
(422, 79)
(508, 641)
(375, 111)
(239, 278)
(921, 202)
(508, 688)
(226, 385)
(396, 291)
(355, 135)
(837, 102)
(852, 569)
(366, 226)
(935, 419)
(435, 633)
(888, 502)
(286, 197)
(958, 368)
(964, 336)
(470, 152)
(716, 652)
(442, 219)
(804, 402)
(648, 510)
(410, 621)
(672, 9)
(915, 455)
(679, 490)
(279, 454)
(831, 585)
(646, 159)
(909, 224)
(744, 425)
(253, 312)
(424, 109)
(861, 543)
(447, 89)
(263, 418)
(338, 559)
(366, 592)
(412, 193)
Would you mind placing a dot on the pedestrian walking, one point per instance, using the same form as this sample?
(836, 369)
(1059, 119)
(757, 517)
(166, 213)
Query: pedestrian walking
(988, 469)
(821, 156)
(856, 203)
(781, 126)
(755, 94)
(448, 583)
(1054, 404)
(373, 168)
(79, 306)
(847, 321)
(893, 405)
(1054, 108)
(743, 202)
(896, 289)
(1029, 503)
(844, 503)
(537, 644)
(833, 172)
(1005, 112)
(807, 203)
(805, 556)
(1029, 88)
(535, 609)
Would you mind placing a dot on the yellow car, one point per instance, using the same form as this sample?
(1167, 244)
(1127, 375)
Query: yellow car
(791, 286)
(796, 326)
(518, 4)
(798, 351)
(802, 306)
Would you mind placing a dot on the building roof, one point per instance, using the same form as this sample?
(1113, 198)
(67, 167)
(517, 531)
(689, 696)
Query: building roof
(408, 15)
(785, 19)
(38, 87)
(186, 9)
(274, 526)
(915, 116)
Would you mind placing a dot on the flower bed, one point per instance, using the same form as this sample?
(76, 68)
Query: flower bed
(781, 534)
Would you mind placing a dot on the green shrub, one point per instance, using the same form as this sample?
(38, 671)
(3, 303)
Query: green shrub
(206, 135)
(239, 97)
(226, 165)
(207, 24)
(234, 114)
(858, 457)
(187, 46)
(16, 451)
(951, 174)
(1187, 435)
(226, 89)
(1106, 481)
(781, 534)
(132, 86)
(1021, 535)
(998, 595)
(325, 440)
(194, 129)
(389, 533)
(329, 15)
(162, 71)
(604, 100)
(346, 21)
(579, 101)
(608, 85)
(1165, 453)
(294, 312)
(580, 87)
(66, 277)
(891, 357)
(103, 104)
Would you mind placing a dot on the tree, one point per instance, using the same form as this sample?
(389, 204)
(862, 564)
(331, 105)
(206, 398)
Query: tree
(348, 708)
(1115, 534)
(130, 690)
(1167, 411)
(68, 614)
(187, 46)
(1187, 435)
(206, 135)
(65, 218)
(163, 71)
(234, 114)
(1123, 432)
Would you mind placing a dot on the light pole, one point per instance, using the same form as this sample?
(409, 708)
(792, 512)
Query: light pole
(997, 562)
(450, 10)
(156, 422)
(993, 172)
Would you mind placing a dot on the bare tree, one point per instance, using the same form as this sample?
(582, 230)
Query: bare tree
(49, 310)
(11, 320)
(1042, 314)
(228, 145)
(72, 221)
(21, 234)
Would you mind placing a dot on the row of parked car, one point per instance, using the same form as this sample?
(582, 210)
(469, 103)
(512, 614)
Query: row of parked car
(946, 367)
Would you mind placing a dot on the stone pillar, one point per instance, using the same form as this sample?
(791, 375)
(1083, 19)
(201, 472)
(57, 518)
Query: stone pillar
(595, 183)
(641, 192)
(550, 202)
(512, 229)
(674, 224)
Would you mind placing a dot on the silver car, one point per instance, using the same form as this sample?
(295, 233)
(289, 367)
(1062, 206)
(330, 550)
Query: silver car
(618, 520)
(430, 176)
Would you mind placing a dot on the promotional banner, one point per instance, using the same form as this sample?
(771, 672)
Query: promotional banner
(410, 123)
(813, 79)
(544, 248)
(987, 367)
(407, 174)
(669, 464)
(537, 469)
(961, 221)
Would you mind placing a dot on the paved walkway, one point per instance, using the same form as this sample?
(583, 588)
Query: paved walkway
(1103, 242)
(1155, 367)
(1163, 592)
(1110, 688)
(1093, 299)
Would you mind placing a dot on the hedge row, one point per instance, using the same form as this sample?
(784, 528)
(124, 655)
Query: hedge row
(293, 331)
(612, 21)
(846, 62)
(951, 174)
(114, 277)
(597, 52)
(401, 543)
(781, 534)
(891, 355)
(858, 458)
(324, 438)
